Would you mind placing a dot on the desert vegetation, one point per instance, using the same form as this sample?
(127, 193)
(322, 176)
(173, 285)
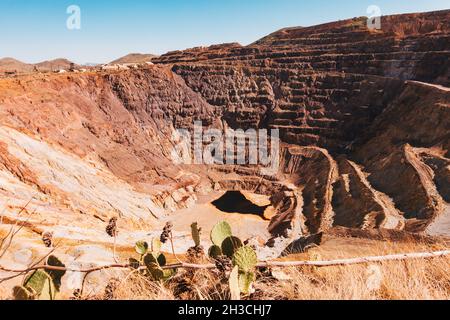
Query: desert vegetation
(230, 269)
(417, 279)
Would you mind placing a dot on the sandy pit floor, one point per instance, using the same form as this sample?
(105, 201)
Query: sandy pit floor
(207, 215)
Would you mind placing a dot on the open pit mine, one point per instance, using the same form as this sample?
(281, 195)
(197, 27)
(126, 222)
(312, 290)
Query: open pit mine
(364, 123)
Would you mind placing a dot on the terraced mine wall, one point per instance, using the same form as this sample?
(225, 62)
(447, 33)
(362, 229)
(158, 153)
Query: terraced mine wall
(352, 98)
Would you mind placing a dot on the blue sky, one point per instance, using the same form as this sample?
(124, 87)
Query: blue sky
(35, 30)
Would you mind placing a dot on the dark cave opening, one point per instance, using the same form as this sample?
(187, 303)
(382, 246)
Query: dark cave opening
(236, 202)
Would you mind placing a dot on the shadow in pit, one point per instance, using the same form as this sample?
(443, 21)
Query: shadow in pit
(236, 202)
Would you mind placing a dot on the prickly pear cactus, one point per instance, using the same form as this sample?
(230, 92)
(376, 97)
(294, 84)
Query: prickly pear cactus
(154, 260)
(134, 264)
(56, 275)
(141, 247)
(22, 293)
(156, 245)
(151, 257)
(41, 285)
(233, 281)
(245, 258)
(48, 291)
(245, 282)
(169, 273)
(220, 232)
(195, 231)
(156, 271)
(36, 280)
(214, 251)
(230, 245)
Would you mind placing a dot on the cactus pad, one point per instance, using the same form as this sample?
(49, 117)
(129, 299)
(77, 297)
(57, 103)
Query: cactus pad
(220, 232)
(56, 275)
(156, 271)
(22, 293)
(245, 258)
(156, 245)
(230, 245)
(159, 259)
(134, 264)
(245, 282)
(195, 231)
(233, 281)
(214, 251)
(141, 247)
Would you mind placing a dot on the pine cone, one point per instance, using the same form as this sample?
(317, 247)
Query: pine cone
(111, 288)
(181, 287)
(167, 231)
(111, 228)
(76, 295)
(47, 238)
(195, 254)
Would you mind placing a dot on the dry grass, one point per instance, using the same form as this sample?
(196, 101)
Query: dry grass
(412, 279)
(404, 280)
(186, 285)
(139, 288)
(395, 280)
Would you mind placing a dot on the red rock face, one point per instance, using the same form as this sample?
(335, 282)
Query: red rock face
(364, 118)
(381, 144)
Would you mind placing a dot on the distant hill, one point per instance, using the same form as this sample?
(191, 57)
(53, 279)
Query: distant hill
(55, 64)
(134, 58)
(11, 64)
(14, 65)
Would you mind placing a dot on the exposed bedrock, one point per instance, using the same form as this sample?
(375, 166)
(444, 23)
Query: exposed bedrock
(358, 205)
(406, 47)
(367, 110)
(364, 119)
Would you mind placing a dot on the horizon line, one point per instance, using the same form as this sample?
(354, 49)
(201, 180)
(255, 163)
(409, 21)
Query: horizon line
(50, 59)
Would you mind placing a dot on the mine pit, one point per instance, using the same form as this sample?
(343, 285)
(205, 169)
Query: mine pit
(238, 202)
(211, 208)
